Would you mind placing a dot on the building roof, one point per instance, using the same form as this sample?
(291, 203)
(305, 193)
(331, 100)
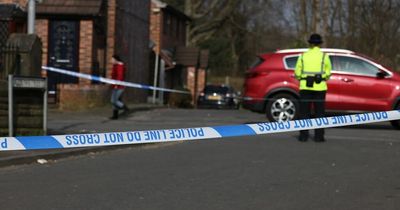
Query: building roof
(165, 6)
(9, 11)
(69, 7)
(166, 55)
(159, 3)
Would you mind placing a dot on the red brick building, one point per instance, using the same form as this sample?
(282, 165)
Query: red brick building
(81, 36)
(168, 28)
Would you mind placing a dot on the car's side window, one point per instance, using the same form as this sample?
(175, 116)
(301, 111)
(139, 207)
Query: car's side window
(290, 62)
(353, 65)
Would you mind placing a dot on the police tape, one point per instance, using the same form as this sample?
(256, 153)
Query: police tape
(110, 81)
(188, 134)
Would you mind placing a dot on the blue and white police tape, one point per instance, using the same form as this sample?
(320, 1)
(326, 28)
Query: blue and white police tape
(110, 81)
(185, 134)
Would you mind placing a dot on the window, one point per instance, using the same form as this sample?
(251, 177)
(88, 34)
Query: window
(178, 25)
(209, 89)
(257, 62)
(182, 31)
(353, 65)
(290, 62)
(3, 39)
(172, 25)
(166, 23)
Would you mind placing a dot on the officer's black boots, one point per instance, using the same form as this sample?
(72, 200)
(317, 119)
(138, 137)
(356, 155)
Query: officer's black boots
(303, 136)
(319, 135)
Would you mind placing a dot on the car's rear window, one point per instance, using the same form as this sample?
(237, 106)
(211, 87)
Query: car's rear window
(215, 89)
(257, 62)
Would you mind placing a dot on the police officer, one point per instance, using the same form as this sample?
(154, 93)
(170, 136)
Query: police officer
(313, 69)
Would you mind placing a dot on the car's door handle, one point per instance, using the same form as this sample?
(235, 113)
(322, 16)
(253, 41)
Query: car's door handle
(347, 80)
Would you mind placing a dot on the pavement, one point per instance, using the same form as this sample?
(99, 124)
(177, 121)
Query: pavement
(64, 122)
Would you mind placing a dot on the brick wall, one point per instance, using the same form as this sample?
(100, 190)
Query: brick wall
(111, 17)
(41, 28)
(155, 27)
(85, 49)
(28, 111)
(77, 97)
(171, 39)
(200, 81)
(22, 3)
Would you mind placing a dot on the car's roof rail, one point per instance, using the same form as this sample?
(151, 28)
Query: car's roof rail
(299, 50)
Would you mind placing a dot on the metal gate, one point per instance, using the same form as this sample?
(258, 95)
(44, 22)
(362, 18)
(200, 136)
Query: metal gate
(3, 39)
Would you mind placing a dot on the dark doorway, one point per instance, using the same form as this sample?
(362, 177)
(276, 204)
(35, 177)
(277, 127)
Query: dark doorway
(63, 51)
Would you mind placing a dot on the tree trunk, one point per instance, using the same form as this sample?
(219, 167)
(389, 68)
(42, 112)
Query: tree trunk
(350, 22)
(316, 17)
(303, 20)
(325, 23)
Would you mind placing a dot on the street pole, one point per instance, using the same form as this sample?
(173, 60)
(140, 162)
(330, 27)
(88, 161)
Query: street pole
(10, 106)
(162, 81)
(45, 108)
(155, 79)
(31, 16)
(196, 78)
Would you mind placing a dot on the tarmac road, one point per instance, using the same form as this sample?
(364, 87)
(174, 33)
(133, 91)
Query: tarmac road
(357, 168)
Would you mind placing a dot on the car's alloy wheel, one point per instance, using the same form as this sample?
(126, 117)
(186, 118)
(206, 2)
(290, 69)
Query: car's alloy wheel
(282, 107)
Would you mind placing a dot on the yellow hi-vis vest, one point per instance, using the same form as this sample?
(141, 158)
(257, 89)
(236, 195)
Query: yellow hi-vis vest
(311, 63)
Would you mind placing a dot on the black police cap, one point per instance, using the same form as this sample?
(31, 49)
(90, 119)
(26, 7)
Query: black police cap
(315, 39)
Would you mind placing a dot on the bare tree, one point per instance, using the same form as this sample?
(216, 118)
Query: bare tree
(325, 20)
(315, 16)
(249, 27)
(303, 20)
(208, 17)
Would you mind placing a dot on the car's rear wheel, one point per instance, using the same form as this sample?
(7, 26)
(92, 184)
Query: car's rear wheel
(282, 107)
(396, 123)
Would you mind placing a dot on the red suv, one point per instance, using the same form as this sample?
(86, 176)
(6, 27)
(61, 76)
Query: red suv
(357, 84)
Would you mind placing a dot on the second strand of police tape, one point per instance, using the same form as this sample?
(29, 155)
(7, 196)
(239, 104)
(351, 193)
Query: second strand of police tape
(184, 134)
(110, 81)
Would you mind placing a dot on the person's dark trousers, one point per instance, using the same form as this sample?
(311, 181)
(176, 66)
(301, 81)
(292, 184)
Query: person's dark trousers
(316, 99)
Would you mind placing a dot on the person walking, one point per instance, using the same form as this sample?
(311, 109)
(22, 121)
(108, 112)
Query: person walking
(117, 73)
(313, 69)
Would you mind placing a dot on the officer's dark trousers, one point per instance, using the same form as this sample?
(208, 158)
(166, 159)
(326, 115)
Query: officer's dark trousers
(316, 99)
